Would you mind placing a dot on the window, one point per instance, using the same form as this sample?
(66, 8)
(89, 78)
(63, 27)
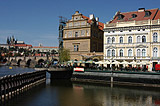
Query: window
(76, 47)
(155, 52)
(121, 53)
(87, 31)
(76, 34)
(76, 23)
(108, 53)
(120, 17)
(134, 15)
(147, 13)
(70, 34)
(143, 52)
(70, 24)
(143, 38)
(129, 39)
(129, 52)
(82, 32)
(83, 23)
(155, 37)
(138, 52)
(113, 52)
(121, 40)
(113, 39)
(108, 40)
(65, 34)
(138, 39)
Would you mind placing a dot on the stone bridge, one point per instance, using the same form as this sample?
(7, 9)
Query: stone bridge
(30, 61)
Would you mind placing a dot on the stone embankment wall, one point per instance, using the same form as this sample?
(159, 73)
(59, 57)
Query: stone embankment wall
(123, 78)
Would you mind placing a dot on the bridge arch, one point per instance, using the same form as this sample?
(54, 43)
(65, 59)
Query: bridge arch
(5, 60)
(28, 62)
(19, 61)
(40, 61)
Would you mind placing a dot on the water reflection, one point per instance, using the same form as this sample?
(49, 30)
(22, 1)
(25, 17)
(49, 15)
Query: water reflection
(66, 93)
(106, 96)
(73, 94)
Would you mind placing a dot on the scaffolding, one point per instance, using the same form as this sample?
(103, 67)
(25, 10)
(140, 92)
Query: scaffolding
(62, 24)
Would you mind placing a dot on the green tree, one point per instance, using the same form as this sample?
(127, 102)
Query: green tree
(64, 55)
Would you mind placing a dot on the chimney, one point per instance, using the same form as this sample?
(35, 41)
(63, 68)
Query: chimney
(97, 20)
(141, 9)
(91, 16)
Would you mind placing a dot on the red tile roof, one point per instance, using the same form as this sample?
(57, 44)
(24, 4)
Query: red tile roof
(22, 45)
(100, 25)
(155, 14)
(44, 47)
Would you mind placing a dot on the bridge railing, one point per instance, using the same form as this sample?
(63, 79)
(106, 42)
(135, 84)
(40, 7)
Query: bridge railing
(15, 84)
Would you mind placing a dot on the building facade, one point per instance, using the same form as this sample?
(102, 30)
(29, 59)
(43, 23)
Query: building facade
(45, 49)
(83, 36)
(134, 36)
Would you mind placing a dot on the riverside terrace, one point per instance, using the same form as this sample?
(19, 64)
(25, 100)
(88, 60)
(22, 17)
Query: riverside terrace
(133, 78)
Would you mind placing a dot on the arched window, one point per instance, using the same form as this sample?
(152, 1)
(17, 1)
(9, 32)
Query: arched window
(121, 40)
(155, 52)
(129, 52)
(113, 39)
(121, 53)
(108, 40)
(155, 37)
(113, 52)
(143, 38)
(138, 52)
(143, 52)
(108, 53)
(129, 39)
(138, 39)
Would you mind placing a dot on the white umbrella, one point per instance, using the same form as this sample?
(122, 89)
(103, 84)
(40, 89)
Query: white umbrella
(145, 63)
(107, 62)
(116, 62)
(133, 62)
(124, 62)
(99, 62)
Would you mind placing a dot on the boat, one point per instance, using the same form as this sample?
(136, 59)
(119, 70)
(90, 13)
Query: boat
(60, 72)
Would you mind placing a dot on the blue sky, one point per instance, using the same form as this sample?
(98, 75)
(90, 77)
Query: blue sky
(36, 21)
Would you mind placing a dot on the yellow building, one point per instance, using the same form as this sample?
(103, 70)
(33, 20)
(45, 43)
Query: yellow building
(83, 36)
(134, 36)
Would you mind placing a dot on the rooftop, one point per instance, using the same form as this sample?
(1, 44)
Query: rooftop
(140, 15)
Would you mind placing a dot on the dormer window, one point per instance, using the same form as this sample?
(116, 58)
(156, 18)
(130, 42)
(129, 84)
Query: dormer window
(147, 13)
(120, 17)
(134, 15)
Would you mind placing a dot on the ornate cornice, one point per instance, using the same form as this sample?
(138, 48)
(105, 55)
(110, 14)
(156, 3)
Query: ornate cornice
(131, 28)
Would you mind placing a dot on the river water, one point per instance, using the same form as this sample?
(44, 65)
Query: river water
(67, 93)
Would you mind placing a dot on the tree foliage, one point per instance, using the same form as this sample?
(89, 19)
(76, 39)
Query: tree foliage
(64, 55)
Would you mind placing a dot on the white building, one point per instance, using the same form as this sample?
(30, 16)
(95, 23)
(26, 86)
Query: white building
(133, 36)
